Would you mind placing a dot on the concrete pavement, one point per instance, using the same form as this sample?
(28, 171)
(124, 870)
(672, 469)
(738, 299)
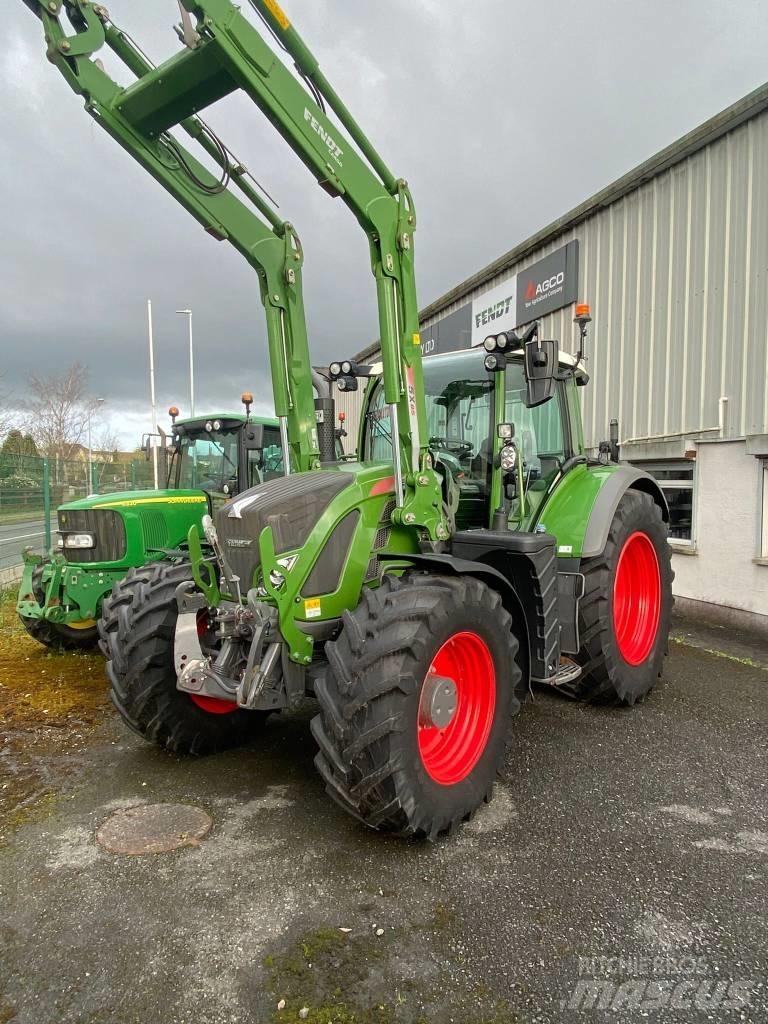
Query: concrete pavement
(619, 874)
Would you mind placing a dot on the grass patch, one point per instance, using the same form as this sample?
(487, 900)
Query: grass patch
(42, 687)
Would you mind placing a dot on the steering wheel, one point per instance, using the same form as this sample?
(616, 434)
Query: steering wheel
(452, 444)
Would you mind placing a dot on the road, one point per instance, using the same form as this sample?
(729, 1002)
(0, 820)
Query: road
(619, 874)
(15, 536)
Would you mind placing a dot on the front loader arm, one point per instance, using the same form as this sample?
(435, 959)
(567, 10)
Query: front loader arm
(225, 52)
(272, 249)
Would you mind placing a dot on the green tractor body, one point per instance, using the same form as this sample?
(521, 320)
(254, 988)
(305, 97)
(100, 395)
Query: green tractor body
(417, 592)
(102, 536)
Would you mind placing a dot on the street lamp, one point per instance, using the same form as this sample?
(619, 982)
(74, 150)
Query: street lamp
(95, 405)
(188, 313)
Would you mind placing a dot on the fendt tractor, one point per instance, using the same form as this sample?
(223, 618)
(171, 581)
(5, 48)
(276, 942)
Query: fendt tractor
(101, 537)
(472, 549)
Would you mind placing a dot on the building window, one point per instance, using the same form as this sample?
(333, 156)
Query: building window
(676, 477)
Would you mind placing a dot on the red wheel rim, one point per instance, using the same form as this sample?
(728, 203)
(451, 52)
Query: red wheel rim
(450, 754)
(636, 598)
(212, 705)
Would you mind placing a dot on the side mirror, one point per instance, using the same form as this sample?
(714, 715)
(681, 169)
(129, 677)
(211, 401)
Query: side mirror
(253, 436)
(541, 363)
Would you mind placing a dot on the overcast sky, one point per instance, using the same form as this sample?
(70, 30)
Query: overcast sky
(502, 116)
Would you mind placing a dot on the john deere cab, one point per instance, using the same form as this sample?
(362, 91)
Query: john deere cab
(102, 536)
(473, 549)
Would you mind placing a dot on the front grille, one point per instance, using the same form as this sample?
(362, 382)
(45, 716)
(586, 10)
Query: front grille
(291, 506)
(154, 528)
(105, 524)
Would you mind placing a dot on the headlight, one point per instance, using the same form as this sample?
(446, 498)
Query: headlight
(80, 540)
(209, 426)
(508, 458)
(217, 424)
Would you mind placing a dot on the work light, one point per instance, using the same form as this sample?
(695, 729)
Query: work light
(489, 344)
(508, 458)
(335, 369)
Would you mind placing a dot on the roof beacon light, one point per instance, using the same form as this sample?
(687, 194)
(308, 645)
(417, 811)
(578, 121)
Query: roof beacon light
(582, 318)
(173, 412)
(247, 399)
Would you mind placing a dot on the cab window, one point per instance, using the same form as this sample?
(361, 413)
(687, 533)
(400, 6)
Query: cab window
(266, 463)
(541, 435)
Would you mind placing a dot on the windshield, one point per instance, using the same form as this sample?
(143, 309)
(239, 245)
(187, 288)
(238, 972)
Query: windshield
(208, 461)
(460, 418)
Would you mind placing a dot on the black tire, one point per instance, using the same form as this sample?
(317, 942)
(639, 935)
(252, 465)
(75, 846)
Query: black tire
(367, 729)
(57, 635)
(607, 676)
(136, 629)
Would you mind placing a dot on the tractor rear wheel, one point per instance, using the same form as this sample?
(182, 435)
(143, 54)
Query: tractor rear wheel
(137, 629)
(417, 703)
(59, 636)
(625, 612)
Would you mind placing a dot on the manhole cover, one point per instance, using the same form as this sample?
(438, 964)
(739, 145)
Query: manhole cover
(153, 828)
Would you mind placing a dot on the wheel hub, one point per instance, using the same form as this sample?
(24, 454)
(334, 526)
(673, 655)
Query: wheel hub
(438, 701)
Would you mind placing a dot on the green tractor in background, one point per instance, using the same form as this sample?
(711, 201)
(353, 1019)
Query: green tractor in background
(101, 537)
(473, 548)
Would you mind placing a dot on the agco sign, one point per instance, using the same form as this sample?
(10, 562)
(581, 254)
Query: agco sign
(549, 284)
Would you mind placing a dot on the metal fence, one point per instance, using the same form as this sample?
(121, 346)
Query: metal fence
(32, 488)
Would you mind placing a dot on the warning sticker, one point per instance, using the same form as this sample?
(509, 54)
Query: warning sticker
(417, 339)
(312, 608)
(278, 14)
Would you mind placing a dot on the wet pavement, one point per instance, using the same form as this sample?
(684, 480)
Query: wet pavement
(619, 873)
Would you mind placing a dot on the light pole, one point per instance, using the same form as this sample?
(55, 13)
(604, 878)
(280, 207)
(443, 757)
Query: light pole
(188, 313)
(96, 404)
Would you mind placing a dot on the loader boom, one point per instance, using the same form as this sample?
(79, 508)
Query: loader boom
(224, 52)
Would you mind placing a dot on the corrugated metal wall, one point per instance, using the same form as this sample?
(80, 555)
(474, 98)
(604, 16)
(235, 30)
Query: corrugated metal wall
(676, 273)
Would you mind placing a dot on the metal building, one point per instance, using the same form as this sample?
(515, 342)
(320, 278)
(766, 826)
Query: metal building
(673, 259)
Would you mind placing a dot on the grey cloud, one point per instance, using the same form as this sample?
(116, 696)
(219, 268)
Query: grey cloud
(501, 116)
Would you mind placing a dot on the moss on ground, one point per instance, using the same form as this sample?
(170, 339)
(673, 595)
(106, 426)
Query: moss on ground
(39, 686)
(47, 701)
(337, 977)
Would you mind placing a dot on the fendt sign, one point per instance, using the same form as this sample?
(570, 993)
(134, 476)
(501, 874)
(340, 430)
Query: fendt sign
(549, 284)
(494, 311)
(542, 288)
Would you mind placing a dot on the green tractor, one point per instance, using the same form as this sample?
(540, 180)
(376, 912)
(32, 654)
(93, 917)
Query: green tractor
(102, 536)
(417, 592)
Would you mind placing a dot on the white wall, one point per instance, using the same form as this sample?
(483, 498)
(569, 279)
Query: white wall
(723, 570)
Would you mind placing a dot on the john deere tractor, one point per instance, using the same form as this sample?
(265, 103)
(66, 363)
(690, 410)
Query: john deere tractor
(103, 536)
(417, 593)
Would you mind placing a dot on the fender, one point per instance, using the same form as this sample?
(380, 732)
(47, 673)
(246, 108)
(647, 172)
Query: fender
(580, 509)
(613, 490)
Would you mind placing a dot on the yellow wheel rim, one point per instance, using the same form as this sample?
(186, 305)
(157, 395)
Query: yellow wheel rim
(82, 624)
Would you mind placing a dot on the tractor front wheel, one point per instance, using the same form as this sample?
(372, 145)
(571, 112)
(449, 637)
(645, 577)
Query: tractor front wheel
(417, 703)
(625, 612)
(59, 636)
(137, 630)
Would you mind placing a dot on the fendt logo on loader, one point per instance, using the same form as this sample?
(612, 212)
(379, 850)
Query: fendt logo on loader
(334, 149)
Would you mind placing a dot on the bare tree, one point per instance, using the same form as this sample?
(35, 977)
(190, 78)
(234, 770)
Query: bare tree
(59, 410)
(7, 417)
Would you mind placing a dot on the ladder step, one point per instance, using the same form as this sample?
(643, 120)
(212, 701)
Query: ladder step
(184, 85)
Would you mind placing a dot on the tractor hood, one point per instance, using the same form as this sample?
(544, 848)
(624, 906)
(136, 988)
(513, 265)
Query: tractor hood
(136, 499)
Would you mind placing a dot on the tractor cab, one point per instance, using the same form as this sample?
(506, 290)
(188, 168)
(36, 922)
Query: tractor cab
(464, 412)
(223, 455)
